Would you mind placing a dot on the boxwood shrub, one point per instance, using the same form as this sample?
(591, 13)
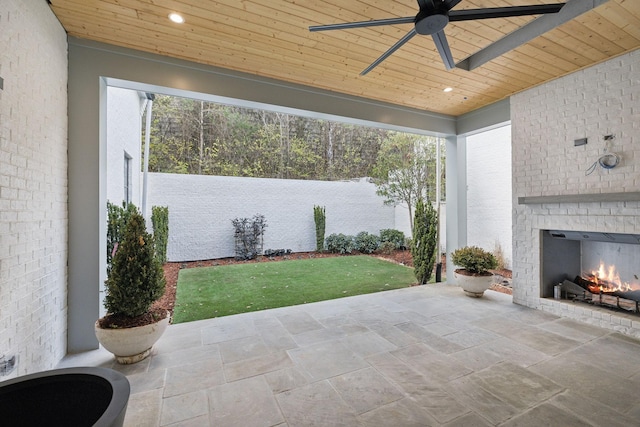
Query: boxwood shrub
(366, 243)
(339, 243)
(396, 237)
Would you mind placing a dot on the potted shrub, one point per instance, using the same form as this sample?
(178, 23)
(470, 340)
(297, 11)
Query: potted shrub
(135, 281)
(474, 277)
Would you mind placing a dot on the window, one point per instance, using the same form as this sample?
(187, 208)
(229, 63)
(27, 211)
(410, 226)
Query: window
(127, 178)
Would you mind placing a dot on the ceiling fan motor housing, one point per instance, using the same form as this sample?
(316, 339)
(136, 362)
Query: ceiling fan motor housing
(430, 22)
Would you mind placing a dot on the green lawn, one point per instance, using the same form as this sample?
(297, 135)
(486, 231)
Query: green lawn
(208, 292)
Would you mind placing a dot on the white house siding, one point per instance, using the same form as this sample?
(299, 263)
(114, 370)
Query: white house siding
(489, 190)
(33, 186)
(124, 125)
(201, 209)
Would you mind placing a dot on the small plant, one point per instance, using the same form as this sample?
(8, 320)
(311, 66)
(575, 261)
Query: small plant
(136, 279)
(339, 243)
(395, 237)
(475, 260)
(408, 242)
(498, 253)
(276, 252)
(249, 236)
(320, 218)
(423, 248)
(160, 221)
(366, 243)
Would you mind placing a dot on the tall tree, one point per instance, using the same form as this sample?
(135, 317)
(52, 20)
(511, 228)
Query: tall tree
(201, 137)
(405, 170)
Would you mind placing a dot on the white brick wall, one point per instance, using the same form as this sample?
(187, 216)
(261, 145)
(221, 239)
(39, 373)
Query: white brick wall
(546, 120)
(489, 190)
(201, 209)
(33, 185)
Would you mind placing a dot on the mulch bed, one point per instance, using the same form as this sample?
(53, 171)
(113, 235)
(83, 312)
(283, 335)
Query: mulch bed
(172, 269)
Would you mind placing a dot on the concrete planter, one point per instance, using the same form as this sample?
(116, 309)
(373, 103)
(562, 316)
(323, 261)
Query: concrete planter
(473, 286)
(131, 345)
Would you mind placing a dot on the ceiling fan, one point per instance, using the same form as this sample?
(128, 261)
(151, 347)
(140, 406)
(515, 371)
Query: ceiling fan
(433, 17)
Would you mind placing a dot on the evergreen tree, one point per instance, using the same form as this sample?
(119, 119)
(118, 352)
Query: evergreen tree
(136, 279)
(320, 218)
(423, 246)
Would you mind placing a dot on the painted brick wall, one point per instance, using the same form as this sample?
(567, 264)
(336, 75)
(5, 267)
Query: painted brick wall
(201, 209)
(124, 124)
(591, 103)
(489, 190)
(33, 186)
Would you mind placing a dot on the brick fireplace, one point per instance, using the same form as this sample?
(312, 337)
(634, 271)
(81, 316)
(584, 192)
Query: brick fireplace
(552, 189)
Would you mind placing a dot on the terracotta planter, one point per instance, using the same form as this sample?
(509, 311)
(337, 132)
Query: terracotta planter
(131, 345)
(473, 286)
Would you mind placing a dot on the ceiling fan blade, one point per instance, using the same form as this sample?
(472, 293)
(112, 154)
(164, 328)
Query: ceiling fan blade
(450, 4)
(424, 4)
(504, 12)
(431, 4)
(443, 48)
(392, 49)
(533, 29)
(362, 24)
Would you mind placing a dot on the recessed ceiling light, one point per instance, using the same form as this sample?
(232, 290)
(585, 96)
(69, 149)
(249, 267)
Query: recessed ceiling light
(178, 19)
(447, 89)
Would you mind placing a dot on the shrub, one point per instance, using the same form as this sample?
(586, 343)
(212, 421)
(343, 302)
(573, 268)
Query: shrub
(248, 234)
(339, 243)
(276, 252)
(474, 259)
(396, 237)
(160, 222)
(366, 243)
(117, 218)
(136, 279)
(320, 218)
(386, 248)
(423, 248)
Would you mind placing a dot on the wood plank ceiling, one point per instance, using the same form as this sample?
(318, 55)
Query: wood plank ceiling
(271, 38)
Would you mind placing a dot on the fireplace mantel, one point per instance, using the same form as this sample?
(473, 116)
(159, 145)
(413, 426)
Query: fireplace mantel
(580, 198)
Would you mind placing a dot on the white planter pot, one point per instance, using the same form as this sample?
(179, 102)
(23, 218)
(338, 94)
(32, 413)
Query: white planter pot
(473, 286)
(131, 345)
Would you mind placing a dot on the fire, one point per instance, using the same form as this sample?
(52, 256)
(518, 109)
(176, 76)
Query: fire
(607, 279)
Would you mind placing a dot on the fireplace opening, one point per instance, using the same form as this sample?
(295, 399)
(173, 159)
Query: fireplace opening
(594, 267)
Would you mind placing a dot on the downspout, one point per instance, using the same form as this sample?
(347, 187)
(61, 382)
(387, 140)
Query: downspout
(438, 196)
(147, 140)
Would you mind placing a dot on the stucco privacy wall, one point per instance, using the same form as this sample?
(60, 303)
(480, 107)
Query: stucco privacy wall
(489, 190)
(201, 209)
(591, 103)
(33, 186)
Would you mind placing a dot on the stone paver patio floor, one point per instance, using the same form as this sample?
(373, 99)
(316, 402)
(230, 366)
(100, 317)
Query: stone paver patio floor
(421, 356)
